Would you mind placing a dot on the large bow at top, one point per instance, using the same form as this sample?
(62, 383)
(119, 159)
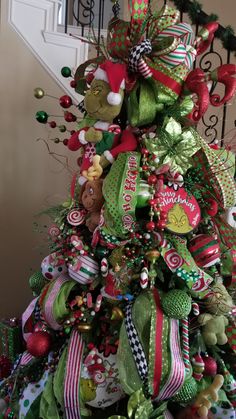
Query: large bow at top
(174, 146)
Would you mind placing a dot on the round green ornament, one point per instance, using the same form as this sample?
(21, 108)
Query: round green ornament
(66, 72)
(177, 304)
(42, 117)
(187, 392)
(37, 282)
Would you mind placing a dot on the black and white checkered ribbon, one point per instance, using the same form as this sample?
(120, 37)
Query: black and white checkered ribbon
(81, 107)
(135, 344)
(116, 9)
(136, 54)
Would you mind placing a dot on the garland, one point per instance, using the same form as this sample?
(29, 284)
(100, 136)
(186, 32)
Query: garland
(199, 17)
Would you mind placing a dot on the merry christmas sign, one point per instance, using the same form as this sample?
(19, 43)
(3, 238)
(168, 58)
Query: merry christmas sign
(183, 212)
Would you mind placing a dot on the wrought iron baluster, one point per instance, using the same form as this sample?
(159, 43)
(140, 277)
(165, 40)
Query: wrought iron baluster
(211, 120)
(83, 13)
(225, 108)
(66, 15)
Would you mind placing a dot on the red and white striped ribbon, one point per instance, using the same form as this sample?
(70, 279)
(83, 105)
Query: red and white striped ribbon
(26, 358)
(144, 69)
(26, 316)
(72, 378)
(177, 372)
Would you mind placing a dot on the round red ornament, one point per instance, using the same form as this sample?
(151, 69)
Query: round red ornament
(39, 344)
(210, 364)
(212, 208)
(152, 180)
(69, 117)
(73, 84)
(65, 101)
(205, 250)
(150, 226)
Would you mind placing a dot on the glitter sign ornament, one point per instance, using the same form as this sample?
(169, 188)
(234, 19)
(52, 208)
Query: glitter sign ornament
(183, 212)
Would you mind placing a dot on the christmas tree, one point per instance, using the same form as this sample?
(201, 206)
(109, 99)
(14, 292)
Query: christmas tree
(133, 313)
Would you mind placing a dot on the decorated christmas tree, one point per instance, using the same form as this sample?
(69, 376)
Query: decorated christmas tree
(133, 313)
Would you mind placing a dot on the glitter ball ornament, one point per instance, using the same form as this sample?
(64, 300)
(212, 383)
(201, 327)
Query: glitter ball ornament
(176, 304)
(187, 392)
(39, 344)
(205, 250)
(37, 282)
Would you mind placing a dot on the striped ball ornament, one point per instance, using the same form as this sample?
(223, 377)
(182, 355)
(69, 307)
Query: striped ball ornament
(84, 270)
(205, 250)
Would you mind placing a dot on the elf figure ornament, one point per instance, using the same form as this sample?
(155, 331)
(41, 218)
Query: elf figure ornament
(97, 135)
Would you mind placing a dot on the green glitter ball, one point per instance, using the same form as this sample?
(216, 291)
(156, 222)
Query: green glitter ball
(187, 392)
(177, 304)
(37, 282)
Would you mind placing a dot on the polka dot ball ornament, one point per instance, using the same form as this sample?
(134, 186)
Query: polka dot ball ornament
(177, 304)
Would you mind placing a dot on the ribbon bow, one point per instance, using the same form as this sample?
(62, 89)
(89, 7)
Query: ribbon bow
(141, 408)
(174, 146)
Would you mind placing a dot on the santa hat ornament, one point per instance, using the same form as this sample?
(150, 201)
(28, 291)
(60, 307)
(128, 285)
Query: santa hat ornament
(113, 74)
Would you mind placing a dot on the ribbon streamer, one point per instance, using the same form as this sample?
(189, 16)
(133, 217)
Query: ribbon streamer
(73, 368)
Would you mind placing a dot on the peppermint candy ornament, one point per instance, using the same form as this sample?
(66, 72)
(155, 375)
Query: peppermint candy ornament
(173, 259)
(77, 243)
(54, 231)
(76, 217)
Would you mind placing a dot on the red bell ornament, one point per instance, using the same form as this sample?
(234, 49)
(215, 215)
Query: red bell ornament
(205, 250)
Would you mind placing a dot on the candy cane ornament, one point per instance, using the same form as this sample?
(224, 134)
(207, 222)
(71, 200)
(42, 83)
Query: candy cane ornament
(185, 340)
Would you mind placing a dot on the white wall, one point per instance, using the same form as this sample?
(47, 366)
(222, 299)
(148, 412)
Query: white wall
(30, 180)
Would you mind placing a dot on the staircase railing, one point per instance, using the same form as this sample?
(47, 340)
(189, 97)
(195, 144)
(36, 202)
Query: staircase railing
(217, 122)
